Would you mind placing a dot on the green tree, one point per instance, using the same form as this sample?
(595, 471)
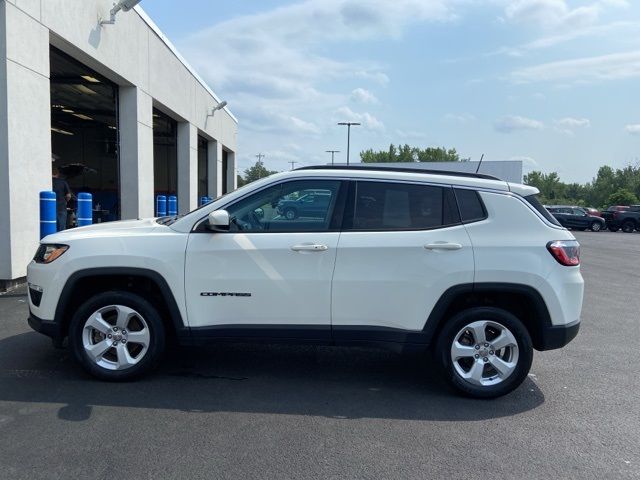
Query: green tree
(622, 196)
(255, 172)
(552, 190)
(406, 153)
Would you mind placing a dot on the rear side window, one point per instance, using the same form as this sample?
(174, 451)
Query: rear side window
(470, 205)
(401, 206)
(535, 203)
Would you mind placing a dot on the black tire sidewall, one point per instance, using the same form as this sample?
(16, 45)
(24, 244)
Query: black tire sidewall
(294, 214)
(136, 302)
(503, 317)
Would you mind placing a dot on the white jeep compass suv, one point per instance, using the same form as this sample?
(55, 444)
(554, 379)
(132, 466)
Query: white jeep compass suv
(469, 266)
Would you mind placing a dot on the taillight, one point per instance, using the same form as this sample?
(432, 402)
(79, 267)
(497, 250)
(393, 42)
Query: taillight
(566, 252)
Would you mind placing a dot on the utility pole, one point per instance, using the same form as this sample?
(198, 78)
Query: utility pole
(332, 152)
(348, 124)
(293, 162)
(260, 156)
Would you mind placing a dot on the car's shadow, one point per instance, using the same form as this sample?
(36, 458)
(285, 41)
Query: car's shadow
(274, 379)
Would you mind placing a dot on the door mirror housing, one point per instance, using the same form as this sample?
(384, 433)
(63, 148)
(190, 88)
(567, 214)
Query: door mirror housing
(218, 221)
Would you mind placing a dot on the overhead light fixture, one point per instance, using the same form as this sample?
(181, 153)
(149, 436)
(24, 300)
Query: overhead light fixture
(66, 110)
(57, 106)
(59, 130)
(124, 5)
(89, 78)
(82, 116)
(85, 89)
(112, 127)
(220, 106)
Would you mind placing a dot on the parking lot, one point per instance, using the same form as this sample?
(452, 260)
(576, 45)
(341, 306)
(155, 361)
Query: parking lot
(237, 411)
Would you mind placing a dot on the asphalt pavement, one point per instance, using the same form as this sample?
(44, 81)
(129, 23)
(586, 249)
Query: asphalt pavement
(243, 412)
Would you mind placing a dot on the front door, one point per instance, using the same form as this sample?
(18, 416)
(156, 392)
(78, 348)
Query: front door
(269, 276)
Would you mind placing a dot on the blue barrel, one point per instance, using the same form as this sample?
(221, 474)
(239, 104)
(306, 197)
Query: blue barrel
(204, 200)
(47, 214)
(161, 206)
(172, 205)
(85, 209)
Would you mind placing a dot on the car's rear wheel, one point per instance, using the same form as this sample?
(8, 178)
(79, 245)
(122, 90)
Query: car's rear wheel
(485, 352)
(290, 214)
(628, 226)
(117, 336)
(596, 226)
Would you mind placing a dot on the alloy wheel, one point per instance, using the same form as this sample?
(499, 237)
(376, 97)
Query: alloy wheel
(116, 337)
(484, 353)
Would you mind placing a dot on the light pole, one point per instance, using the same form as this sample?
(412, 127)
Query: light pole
(332, 152)
(348, 124)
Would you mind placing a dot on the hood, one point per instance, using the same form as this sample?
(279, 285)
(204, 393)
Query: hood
(118, 229)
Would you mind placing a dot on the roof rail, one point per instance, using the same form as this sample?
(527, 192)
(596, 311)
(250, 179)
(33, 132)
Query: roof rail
(378, 168)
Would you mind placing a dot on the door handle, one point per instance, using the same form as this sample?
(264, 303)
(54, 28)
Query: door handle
(309, 247)
(443, 246)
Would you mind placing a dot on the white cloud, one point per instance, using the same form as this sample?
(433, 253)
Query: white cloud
(571, 122)
(528, 162)
(361, 95)
(606, 67)
(411, 134)
(461, 118)
(616, 3)
(512, 123)
(368, 121)
(624, 28)
(633, 129)
(550, 13)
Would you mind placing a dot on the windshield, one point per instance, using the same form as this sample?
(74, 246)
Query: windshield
(169, 220)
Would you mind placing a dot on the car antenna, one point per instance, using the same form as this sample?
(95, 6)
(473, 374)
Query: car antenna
(479, 163)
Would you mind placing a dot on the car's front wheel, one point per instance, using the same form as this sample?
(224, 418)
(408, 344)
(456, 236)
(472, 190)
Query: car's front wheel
(596, 226)
(117, 336)
(484, 352)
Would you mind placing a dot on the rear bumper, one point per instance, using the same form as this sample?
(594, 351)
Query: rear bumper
(46, 327)
(558, 336)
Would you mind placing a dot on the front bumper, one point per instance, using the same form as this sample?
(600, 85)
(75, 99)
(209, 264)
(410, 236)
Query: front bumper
(49, 328)
(557, 336)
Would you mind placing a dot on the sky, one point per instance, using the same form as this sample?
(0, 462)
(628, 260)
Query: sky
(555, 83)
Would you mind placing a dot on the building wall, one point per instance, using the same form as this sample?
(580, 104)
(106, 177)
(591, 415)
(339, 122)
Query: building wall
(134, 54)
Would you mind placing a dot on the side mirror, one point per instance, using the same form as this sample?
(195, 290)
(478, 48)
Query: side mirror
(218, 221)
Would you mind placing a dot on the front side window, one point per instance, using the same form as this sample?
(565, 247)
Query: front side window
(299, 206)
(401, 206)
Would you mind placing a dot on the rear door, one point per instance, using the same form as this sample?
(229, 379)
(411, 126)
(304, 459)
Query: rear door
(401, 248)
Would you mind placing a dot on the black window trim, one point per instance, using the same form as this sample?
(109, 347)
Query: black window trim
(334, 223)
(350, 206)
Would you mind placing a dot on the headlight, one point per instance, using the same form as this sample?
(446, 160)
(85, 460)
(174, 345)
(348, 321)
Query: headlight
(48, 253)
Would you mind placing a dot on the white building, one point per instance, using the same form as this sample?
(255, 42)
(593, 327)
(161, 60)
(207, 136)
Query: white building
(117, 101)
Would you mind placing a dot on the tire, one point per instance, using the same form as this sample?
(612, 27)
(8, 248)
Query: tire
(290, 213)
(518, 355)
(596, 227)
(100, 322)
(628, 227)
